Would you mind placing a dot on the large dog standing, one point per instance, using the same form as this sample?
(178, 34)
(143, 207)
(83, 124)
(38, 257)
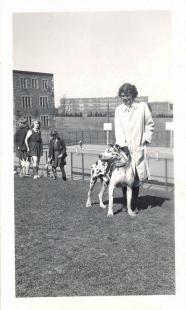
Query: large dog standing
(113, 168)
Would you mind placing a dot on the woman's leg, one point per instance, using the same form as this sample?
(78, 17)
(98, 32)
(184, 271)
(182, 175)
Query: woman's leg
(135, 191)
(38, 161)
(62, 167)
(35, 165)
(35, 161)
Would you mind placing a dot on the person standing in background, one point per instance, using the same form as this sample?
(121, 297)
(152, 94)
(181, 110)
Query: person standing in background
(34, 146)
(57, 154)
(21, 149)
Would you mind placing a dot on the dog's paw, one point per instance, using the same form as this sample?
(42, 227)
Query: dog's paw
(131, 213)
(110, 214)
(102, 205)
(88, 204)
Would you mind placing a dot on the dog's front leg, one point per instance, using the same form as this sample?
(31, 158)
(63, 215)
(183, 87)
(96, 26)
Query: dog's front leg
(129, 201)
(103, 189)
(21, 164)
(54, 172)
(111, 195)
(92, 183)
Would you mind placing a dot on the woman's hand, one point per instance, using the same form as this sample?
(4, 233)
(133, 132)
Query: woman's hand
(125, 150)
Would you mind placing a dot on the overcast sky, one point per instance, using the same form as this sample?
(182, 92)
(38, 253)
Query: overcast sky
(93, 54)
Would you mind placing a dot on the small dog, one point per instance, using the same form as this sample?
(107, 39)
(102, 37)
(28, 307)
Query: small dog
(24, 164)
(113, 168)
(47, 167)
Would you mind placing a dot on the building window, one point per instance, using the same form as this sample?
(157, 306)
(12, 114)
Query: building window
(170, 106)
(23, 83)
(34, 83)
(29, 120)
(43, 102)
(44, 121)
(68, 108)
(81, 106)
(26, 102)
(45, 84)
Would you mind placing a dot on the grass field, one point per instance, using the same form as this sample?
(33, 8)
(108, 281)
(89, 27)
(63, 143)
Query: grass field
(63, 248)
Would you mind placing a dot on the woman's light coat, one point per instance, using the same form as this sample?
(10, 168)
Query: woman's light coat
(133, 128)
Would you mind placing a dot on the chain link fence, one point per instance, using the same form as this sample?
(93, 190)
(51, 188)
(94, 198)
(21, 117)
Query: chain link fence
(161, 138)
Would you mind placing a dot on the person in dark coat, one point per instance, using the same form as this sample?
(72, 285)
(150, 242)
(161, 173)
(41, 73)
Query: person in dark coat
(20, 147)
(34, 146)
(57, 154)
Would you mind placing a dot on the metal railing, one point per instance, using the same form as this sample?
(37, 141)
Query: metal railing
(79, 165)
(163, 178)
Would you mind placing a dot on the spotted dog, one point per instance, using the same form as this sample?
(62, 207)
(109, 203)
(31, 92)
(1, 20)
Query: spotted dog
(113, 168)
(99, 170)
(50, 173)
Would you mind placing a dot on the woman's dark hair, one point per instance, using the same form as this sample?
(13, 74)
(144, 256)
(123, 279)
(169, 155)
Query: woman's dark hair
(32, 126)
(128, 90)
(53, 133)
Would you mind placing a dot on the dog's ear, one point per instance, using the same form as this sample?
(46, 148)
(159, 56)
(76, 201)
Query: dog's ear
(110, 145)
(117, 146)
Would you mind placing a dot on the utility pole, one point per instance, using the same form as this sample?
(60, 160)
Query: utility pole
(108, 120)
(108, 110)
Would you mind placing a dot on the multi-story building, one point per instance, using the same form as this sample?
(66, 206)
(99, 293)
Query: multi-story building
(34, 97)
(161, 108)
(88, 106)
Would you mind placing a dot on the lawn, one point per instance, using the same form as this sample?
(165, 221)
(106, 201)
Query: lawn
(63, 248)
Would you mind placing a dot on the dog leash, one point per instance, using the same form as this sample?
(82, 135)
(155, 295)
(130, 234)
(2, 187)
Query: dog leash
(146, 162)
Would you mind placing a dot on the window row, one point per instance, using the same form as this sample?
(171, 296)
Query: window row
(34, 83)
(44, 119)
(27, 102)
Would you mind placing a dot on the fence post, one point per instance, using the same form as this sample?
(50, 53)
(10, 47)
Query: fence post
(157, 155)
(69, 137)
(71, 165)
(82, 156)
(166, 172)
(46, 156)
(76, 137)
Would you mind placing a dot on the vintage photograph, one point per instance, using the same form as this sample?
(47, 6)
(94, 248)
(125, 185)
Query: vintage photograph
(93, 154)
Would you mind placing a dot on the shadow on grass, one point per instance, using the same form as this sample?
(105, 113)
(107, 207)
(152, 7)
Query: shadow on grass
(144, 202)
(147, 201)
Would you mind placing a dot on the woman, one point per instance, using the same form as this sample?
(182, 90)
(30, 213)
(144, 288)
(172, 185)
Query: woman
(57, 154)
(134, 128)
(21, 149)
(34, 146)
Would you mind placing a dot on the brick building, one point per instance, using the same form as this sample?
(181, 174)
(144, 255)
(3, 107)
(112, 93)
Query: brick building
(88, 106)
(33, 97)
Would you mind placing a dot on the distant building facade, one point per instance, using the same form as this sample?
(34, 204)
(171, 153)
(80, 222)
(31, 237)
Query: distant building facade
(161, 108)
(34, 97)
(91, 106)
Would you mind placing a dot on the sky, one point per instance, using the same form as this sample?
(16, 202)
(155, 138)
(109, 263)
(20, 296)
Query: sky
(91, 54)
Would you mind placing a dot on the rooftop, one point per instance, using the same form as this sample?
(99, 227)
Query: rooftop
(32, 72)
